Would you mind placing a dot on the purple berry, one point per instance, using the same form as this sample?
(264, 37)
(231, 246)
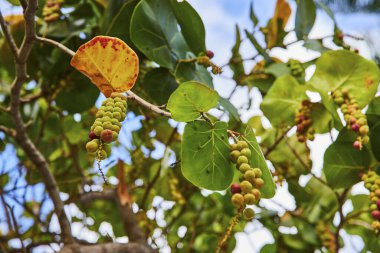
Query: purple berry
(235, 188)
(92, 135)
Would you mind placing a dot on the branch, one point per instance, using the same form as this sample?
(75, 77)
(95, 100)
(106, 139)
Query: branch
(107, 248)
(89, 197)
(9, 131)
(271, 148)
(148, 105)
(55, 44)
(8, 36)
(342, 221)
(21, 136)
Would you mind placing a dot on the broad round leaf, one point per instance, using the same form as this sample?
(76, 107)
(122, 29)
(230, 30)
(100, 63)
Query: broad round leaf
(375, 141)
(110, 64)
(283, 100)
(190, 99)
(345, 69)
(205, 155)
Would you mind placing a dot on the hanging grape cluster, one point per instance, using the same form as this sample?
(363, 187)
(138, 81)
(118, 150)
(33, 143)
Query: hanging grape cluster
(326, 236)
(247, 192)
(372, 183)
(354, 117)
(304, 122)
(296, 68)
(107, 125)
(52, 10)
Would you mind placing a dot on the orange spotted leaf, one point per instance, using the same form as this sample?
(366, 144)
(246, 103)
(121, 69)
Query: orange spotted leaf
(110, 64)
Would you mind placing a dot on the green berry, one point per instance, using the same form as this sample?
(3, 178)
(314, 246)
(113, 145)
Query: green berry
(117, 109)
(98, 130)
(242, 159)
(244, 167)
(249, 213)
(365, 139)
(363, 130)
(242, 144)
(116, 115)
(246, 186)
(373, 207)
(119, 104)
(249, 199)
(237, 199)
(107, 148)
(103, 154)
(109, 108)
(100, 114)
(123, 114)
(246, 152)
(257, 193)
(91, 146)
(234, 146)
(258, 183)
(115, 128)
(115, 135)
(108, 114)
(235, 154)
(249, 175)
(257, 172)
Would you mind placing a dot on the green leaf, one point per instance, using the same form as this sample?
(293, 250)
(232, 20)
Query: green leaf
(258, 160)
(252, 15)
(73, 130)
(236, 61)
(191, 25)
(283, 100)
(159, 84)
(342, 163)
(205, 155)
(322, 121)
(258, 47)
(375, 140)
(191, 99)
(277, 69)
(188, 71)
(345, 69)
(316, 45)
(305, 18)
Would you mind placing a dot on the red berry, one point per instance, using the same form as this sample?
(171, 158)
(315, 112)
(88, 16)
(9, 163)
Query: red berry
(210, 54)
(376, 214)
(378, 204)
(92, 135)
(106, 135)
(355, 127)
(235, 188)
(300, 128)
(357, 145)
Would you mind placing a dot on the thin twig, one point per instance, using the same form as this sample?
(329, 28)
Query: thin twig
(341, 199)
(8, 36)
(148, 105)
(55, 44)
(271, 148)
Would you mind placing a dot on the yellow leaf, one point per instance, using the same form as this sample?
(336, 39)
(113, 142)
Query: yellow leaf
(110, 64)
(280, 16)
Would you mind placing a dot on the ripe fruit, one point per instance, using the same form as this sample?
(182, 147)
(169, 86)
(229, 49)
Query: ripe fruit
(235, 188)
(249, 213)
(210, 54)
(355, 127)
(106, 135)
(92, 135)
(376, 214)
(91, 147)
(357, 145)
(238, 200)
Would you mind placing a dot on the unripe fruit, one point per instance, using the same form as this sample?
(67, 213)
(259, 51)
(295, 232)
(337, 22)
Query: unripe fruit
(238, 200)
(242, 159)
(98, 130)
(365, 139)
(377, 193)
(246, 152)
(246, 186)
(249, 175)
(103, 154)
(100, 114)
(107, 125)
(373, 207)
(119, 104)
(244, 167)
(106, 135)
(107, 148)
(233, 146)
(115, 135)
(116, 109)
(363, 130)
(108, 114)
(257, 193)
(235, 188)
(376, 214)
(258, 183)
(242, 144)
(235, 155)
(249, 213)
(92, 135)
(249, 199)
(91, 146)
(258, 172)
(116, 115)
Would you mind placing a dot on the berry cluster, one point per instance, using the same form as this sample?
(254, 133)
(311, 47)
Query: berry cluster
(354, 117)
(247, 192)
(107, 125)
(296, 68)
(52, 10)
(304, 122)
(326, 236)
(174, 191)
(372, 183)
(283, 172)
(204, 60)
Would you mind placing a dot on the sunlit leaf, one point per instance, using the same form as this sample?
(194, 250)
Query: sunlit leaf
(110, 64)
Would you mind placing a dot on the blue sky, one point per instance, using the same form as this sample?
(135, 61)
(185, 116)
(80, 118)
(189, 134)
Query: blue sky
(220, 17)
